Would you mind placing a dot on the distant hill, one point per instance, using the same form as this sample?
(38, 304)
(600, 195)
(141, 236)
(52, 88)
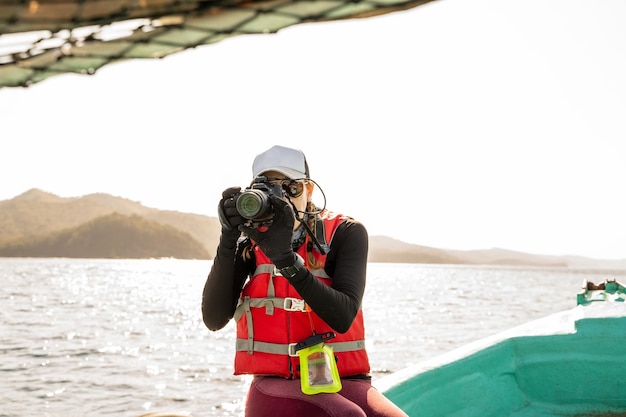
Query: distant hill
(111, 236)
(38, 223)
(386, 249)
(36, 213)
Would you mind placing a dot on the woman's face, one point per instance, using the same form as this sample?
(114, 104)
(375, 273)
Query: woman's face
(300, 201)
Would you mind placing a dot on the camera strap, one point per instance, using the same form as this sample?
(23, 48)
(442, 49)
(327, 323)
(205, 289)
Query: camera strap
(323, 250)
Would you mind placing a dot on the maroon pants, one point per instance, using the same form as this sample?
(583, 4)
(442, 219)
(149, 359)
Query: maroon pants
(278, 397)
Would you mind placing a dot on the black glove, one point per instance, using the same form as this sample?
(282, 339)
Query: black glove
(275, 241)
(230, 219)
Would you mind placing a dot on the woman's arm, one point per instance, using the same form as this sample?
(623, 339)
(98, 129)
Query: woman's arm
(346, 264)
(223, 285)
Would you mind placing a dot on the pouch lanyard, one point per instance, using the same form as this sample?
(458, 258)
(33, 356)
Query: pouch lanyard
(314, 340)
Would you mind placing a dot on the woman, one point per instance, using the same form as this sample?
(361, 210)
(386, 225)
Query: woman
(293, 279)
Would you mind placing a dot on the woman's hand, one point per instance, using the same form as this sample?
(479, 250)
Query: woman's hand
(230, 219)
(275, 239)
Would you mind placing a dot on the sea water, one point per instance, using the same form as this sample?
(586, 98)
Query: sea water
(96, 338)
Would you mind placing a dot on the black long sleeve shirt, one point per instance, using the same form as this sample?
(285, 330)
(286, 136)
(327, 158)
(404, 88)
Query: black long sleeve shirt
(337, 304)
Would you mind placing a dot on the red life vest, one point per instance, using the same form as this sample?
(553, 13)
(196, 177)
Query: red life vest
(272, 318)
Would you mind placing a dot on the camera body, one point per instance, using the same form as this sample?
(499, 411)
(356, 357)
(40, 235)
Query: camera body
(254, 202)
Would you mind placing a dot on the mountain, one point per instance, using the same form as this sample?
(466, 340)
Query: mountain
(38, 223)
(386, 249)
(111, 236)
(36, 213)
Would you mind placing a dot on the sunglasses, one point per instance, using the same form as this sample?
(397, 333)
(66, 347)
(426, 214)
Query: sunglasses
(293, 188)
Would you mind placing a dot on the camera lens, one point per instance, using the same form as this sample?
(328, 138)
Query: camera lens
(253, 204)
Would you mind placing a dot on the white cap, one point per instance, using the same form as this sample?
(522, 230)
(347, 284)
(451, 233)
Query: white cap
(289, 162)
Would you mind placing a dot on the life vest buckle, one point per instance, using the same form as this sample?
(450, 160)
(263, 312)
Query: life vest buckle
(294, 304)
(291, 349)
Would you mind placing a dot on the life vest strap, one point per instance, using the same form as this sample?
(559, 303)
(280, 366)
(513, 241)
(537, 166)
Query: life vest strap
(270, 303)
(265, 269)
(289, 349)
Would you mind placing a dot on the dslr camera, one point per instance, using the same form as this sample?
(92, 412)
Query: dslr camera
(254, 202)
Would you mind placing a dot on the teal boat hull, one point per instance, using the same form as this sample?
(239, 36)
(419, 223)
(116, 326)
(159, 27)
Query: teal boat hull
(571, 363)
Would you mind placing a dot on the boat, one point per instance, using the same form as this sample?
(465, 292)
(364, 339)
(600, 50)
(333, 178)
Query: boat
(571, 363)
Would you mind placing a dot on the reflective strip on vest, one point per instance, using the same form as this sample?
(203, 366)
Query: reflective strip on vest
(289, 349)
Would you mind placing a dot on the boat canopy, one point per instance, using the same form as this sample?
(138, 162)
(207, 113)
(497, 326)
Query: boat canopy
(43, 38)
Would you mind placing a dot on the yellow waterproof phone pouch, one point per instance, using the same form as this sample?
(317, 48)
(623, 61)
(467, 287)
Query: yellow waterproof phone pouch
(318, 368)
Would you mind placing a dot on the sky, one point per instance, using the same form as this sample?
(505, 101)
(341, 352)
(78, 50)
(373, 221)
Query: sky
(458, 124)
